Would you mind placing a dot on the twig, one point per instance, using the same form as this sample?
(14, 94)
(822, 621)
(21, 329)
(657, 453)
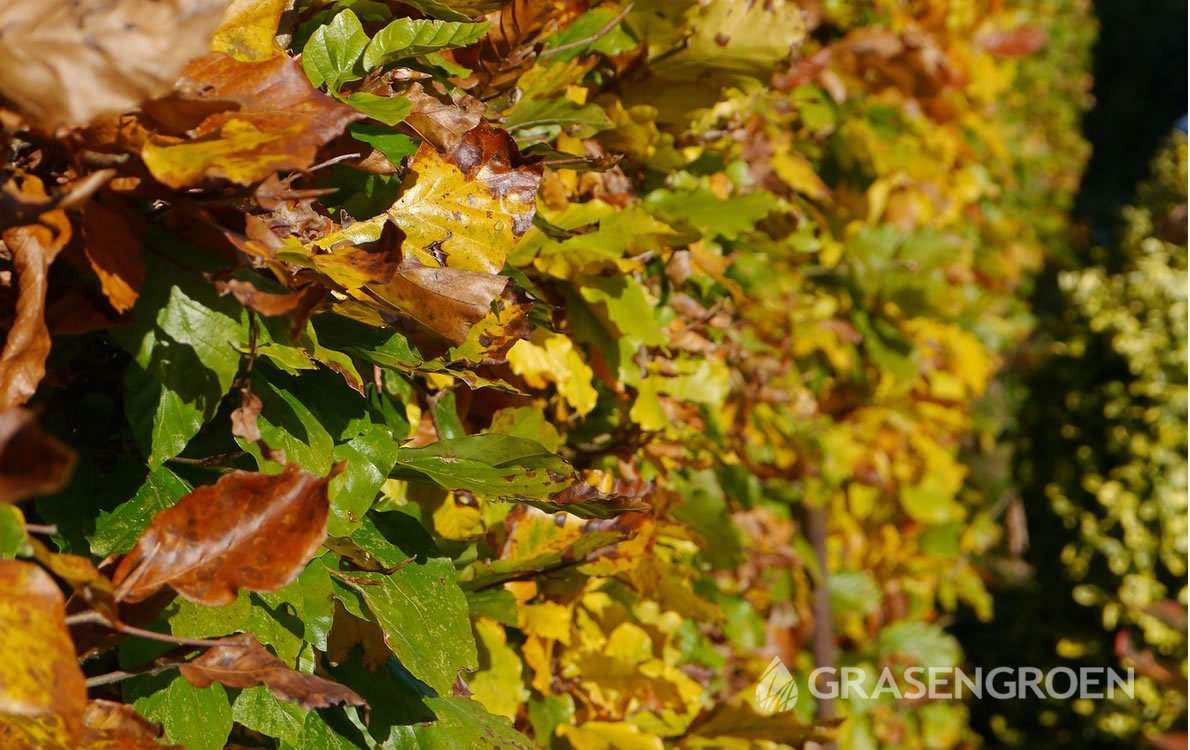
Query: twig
(94, 618)
(587, 40)
(218, 458)
(118, 675)
(41, 528)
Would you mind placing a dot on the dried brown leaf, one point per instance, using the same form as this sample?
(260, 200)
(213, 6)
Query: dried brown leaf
(250, 530)
(244, 663)
(113, 234)
(31, 462)
(68, 61)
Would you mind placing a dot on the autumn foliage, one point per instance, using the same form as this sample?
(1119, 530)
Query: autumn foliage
(490, 373)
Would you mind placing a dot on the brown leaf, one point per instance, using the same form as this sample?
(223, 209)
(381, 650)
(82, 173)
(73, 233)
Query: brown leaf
(244, 663)
(42, 693)
(281, 123)
(243, 419)
(248, 530)
(113, 233)
(33, 248)
(441, 123)
(300, 303)
(31, 462)
(448, 301)
(68, 61)
(108, 725)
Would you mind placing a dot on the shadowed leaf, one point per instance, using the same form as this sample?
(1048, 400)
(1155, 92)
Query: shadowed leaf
(31, 462)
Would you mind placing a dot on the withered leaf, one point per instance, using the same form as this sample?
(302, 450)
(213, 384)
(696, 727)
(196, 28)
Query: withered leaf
(108, 725)
(281, 122)
(33, 248)
(42, 693)
(441, 123)
(113, 234)
(448, 301)
(244, 418)
(31, 462)
(248, 530)
(244, 663)
(299, 303)
(68, 61)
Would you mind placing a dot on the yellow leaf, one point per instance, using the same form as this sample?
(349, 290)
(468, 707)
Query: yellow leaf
(607, 735)
(551, 358)
(497, 684)
(248, 30)
(798, 173)
(547, 620)
(452, 221)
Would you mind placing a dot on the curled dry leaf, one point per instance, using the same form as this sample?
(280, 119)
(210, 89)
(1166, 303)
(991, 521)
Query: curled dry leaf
(31, 462)
(42, 693)
(244, 418)
(64, 62)
(33, 248)
(281, 122)
(250, 530)
(244, 663)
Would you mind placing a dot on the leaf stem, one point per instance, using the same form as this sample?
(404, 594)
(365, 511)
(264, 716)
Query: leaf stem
(41, 528)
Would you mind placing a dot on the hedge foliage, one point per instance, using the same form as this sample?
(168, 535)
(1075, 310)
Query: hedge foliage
(529, 373)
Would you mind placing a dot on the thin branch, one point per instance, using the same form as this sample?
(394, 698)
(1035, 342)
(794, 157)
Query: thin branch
(209, 460)
(92, 617)
(587, 40)
(41, 528)
(118, 675)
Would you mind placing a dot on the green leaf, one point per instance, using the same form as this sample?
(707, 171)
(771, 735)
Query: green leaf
(491, 466)
(259, 710)
(196, 718)
(463, 722)
(118, 530)
(190, 620)
(853, 592)
(588, 26)
(332, 54)
(711, 215)
(627, 306)
(423, 614)
(580, 120)
(13, 539)
(394, 146)
(287, 423)
(370, 457)
(387, 109)
(190, 347)
(925, 642)
(407, 37)
(311, 597)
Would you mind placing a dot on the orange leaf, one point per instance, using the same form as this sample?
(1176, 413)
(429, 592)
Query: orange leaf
(33, 248)
(250, 530)
(281, 123)
(113, 233)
